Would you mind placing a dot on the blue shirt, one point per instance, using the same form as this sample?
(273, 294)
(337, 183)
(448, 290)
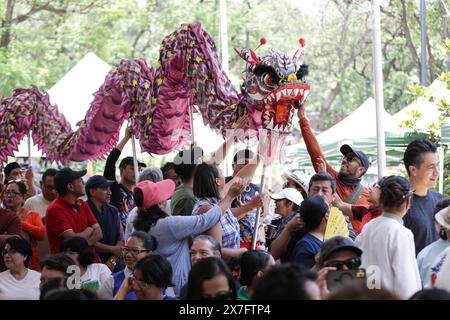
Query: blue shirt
(428, 256)
(305, 250)
(110, 225)
(420, 219)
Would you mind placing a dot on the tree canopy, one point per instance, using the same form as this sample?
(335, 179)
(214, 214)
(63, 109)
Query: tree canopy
(41, 40)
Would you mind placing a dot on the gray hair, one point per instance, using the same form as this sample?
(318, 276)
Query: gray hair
(151, 174)
(216, 246)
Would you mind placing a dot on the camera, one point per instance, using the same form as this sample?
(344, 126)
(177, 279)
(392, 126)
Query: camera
(338, 278)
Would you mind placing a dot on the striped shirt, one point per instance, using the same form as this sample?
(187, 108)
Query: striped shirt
(228, 222)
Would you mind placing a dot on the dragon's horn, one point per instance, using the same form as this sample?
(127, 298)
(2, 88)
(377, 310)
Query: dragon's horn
(248, 55)
(302, 43)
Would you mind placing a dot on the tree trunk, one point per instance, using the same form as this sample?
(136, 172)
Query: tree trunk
(430, 61)
(5, 38)
(445, 33)
(327, 105)
(408, 38)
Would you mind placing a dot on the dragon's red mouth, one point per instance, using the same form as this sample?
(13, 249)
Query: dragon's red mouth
(279, 105)
(289, 93)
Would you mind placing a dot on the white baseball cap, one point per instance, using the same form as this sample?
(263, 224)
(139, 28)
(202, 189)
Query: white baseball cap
(289, 193)
(443, 218)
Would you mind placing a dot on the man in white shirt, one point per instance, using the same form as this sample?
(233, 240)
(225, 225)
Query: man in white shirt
(39, 203)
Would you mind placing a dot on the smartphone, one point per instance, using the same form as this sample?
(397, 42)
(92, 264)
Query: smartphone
(338, 278)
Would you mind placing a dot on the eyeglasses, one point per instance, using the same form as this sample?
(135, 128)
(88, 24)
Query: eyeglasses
(224, 295)
(135, 252)
(140, 283)
(351, 263)
(10, 252)
(12, 193)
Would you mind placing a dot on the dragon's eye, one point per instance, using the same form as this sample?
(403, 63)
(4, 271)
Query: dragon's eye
(268, 80)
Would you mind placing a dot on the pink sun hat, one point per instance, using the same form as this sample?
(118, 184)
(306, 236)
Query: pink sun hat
(155, 193)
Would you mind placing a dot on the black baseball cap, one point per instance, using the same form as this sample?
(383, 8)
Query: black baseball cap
(98, 181)
(67, 175)
(129, 161)
(335, 244)
(346, 149)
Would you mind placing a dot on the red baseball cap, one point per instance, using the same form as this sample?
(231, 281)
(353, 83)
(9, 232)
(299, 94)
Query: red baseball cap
(155, 193)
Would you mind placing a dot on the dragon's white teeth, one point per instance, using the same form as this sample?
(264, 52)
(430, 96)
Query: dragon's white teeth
(270, 125)
(285, 92)
(295, 92)
(289, 92)
(266, 117)
(301, 91)
(278, 95)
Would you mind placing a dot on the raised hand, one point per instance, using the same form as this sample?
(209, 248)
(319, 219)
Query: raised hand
(321, 165)
(295, 222)
(257, 201)
(128, 133)
(237, 188)
(301, 111)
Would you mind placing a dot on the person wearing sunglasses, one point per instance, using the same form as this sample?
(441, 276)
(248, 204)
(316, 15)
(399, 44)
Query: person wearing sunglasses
(32, 224)
(151, 277)
(388, 244)
(337, 253)
(18, 282)
(354, 165)
(137, 246)
(211, 279)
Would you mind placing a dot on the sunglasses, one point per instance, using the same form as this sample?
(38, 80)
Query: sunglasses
(351, 158)
(352, 263)
(227, 295)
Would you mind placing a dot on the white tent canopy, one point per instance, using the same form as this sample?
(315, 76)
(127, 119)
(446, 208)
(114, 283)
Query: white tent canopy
(358, 124)
(73, 93)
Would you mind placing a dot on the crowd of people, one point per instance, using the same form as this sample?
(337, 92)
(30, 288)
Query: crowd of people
(185, 231)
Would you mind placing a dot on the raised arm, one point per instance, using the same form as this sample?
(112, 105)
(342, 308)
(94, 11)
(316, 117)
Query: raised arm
(185, 226)
(220, 154)
(315, 153)
(110, 165)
